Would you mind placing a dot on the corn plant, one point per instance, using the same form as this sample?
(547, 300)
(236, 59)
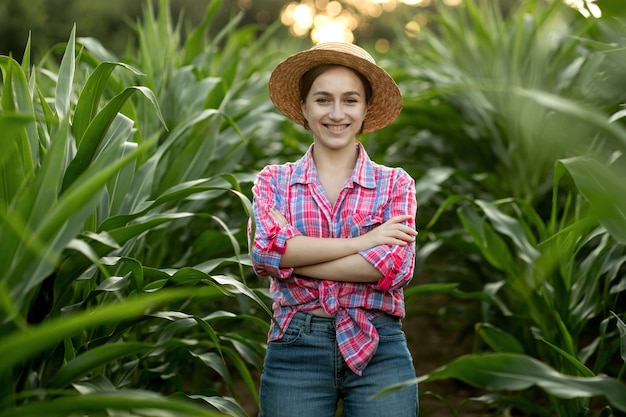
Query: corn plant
(560, 284)
(527, 142)
(473, 83)
(122, 220)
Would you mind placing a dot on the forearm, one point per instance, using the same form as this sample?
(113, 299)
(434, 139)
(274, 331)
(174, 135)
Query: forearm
(303, 250)
(351, 268)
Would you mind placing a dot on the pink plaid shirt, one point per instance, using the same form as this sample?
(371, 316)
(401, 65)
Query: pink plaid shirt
(370, 197)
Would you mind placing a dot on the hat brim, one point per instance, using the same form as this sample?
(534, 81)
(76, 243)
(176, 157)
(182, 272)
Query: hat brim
(284, 84)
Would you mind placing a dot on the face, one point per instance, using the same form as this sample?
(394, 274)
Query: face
(335, 108)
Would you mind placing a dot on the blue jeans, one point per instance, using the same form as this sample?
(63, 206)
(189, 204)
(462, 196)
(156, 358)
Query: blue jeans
(305, 375)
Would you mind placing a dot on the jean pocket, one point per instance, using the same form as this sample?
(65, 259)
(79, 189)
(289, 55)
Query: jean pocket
(290, 336)
(390, 331)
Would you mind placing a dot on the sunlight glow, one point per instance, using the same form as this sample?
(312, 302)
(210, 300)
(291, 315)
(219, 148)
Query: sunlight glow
(336, 20)
(587, 8)
(327, 20)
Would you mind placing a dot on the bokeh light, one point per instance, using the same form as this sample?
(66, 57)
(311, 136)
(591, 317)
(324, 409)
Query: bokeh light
(587, 8)
(334, 20)
(337, 20)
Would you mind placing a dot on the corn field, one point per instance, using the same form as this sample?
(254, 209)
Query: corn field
(125, 283)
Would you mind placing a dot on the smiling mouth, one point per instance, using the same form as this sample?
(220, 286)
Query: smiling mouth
(337, 128)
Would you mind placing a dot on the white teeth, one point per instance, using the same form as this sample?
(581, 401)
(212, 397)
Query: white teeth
(335, 128)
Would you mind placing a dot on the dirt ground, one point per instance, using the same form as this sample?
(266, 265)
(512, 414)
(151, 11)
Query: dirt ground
(433, 342)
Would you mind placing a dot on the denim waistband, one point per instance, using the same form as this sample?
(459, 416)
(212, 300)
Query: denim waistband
(314, 322)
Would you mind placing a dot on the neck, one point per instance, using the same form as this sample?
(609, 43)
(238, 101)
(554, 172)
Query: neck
(335, 161)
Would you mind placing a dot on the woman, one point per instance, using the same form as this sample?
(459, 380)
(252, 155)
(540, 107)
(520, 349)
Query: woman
(336, 234)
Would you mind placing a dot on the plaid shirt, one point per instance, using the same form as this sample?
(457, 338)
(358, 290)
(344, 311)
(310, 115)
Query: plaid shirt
(373, 194)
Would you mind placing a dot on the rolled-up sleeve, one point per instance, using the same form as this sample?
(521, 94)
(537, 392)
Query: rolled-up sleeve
(270, 239)
(395, 262)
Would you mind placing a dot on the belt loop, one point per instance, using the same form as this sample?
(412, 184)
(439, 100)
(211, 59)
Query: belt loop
(307, 323)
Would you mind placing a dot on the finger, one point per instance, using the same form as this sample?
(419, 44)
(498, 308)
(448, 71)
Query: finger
(406, 237)
(400, 218)
(400, 242)
(401, 228)
(408, 230)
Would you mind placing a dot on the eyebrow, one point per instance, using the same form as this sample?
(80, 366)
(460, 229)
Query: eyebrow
(326, 93)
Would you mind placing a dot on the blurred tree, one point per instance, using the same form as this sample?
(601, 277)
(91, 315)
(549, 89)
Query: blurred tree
(17, 18)
(111, 21)
(612, 8)
(50, 21)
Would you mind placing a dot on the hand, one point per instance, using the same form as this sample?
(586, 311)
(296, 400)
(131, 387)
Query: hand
(392, 232)
(278, 217)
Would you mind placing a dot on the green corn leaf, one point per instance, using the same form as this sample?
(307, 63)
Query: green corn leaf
(75, 264)
(233, 241)
(94, 358)
(123, 400)
(196, 40)
(63, 93)
(216, 363)
(497, 339)
(15, 348)
(16, 95)
(190, 276)
(17, 99)
(120, 187)
(507, 371)
(26, 56)
(450, 201)
(50, 227)
(25, 249)
(510, 227)
(175, 194)
(573, 361)
(232, 284)
(576, 111)
(143, 224)
(515, 372)
(212, 264)
(51, 120)
(247, 349)
(128, 265)
(16, 163)
(621, 327)
(493, 247)
(97, 130)
(224, 404)
(208, 329)
(425, 290)
(244, 373)
(604, 189)
(89, 98)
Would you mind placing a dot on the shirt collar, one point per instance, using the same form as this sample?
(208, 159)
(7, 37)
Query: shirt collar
(305, 172)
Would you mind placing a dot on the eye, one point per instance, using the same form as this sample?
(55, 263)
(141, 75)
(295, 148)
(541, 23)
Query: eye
(322, 100)
(352, 100)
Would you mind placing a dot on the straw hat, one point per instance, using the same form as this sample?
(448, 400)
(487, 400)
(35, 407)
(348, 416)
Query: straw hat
(284, 85)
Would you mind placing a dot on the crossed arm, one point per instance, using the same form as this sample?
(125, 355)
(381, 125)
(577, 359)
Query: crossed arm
(339, 257)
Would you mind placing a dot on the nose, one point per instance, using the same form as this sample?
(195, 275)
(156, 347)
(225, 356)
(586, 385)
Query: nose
(336, 111)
